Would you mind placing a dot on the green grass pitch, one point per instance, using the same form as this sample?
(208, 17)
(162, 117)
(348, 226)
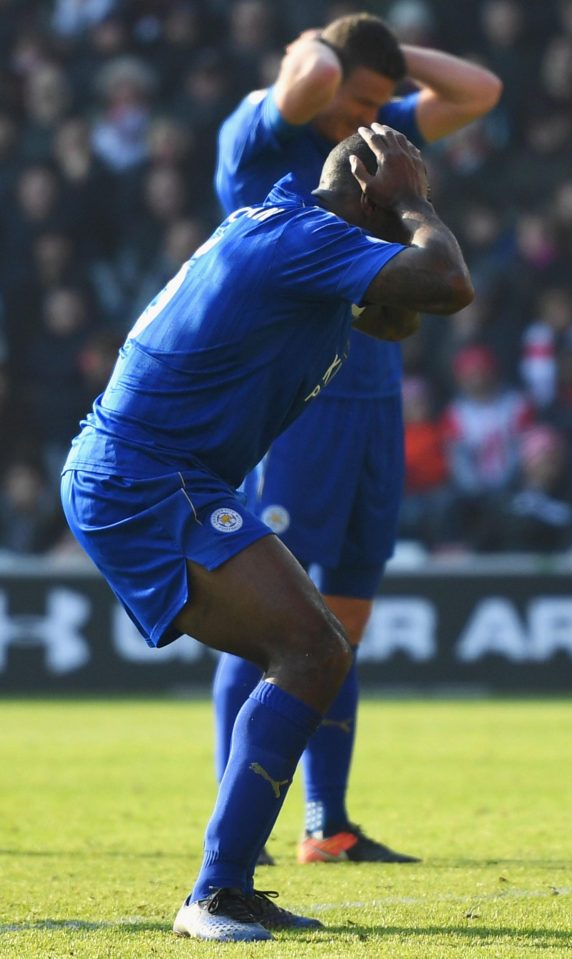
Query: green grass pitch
(103, 805)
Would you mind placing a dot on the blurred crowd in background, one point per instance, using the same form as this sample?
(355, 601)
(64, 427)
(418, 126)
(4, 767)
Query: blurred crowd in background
(109, 111)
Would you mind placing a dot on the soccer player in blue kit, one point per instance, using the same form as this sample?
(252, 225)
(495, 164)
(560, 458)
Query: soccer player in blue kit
(330, 487)
(234, 348)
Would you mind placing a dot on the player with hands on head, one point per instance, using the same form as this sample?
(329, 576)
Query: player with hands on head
(333, 496)
(235, 347)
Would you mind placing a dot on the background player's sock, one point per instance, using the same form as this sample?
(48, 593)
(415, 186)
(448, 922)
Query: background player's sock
(327, 761)
(235, 678)
(270, 733)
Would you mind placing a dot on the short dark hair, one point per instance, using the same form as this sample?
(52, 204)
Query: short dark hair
(336, 172)
(362, 40)
(337, 177)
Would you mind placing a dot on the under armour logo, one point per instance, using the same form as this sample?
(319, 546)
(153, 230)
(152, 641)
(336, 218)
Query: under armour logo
(275, 783)
(58, 633)
(344, 724)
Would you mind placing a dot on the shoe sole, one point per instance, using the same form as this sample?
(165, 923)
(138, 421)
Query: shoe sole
(256, 933)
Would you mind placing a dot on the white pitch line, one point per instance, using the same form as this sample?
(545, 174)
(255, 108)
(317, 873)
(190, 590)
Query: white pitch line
(424, 900)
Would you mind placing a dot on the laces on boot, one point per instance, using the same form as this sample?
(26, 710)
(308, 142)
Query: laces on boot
(232, 903)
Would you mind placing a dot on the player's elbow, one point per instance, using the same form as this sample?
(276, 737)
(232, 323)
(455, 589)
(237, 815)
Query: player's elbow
(325, 73)
(489, 94)
(460, 292)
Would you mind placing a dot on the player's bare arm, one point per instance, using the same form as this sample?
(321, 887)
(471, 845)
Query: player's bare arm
(430, 276)
(385, 323)
(310, 74)
(454, 92)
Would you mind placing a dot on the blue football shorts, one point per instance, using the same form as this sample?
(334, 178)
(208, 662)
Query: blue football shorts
(331, 487)
(139, 532)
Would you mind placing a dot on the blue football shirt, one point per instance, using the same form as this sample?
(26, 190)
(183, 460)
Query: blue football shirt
(255, 148)
(231, 351)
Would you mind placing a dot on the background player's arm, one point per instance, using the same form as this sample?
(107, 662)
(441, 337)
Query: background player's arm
(454, 92)
(310, 74)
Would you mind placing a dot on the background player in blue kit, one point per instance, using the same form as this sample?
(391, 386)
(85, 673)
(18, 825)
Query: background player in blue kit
(332, 494)
(234, 348)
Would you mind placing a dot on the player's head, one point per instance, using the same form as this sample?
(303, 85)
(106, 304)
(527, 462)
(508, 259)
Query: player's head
(372, 63)
(341, 193)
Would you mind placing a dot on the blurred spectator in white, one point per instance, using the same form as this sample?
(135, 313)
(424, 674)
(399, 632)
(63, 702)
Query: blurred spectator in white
(427, 497)
(73, 17)
(542, 342)
(483, 425)
(120, 133)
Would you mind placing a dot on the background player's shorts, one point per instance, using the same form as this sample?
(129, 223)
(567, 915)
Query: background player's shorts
(139, 532)
(331, 486)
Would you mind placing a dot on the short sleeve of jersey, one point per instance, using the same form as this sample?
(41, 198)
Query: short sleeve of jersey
(402, 115)
(321, 256)
(252, 135)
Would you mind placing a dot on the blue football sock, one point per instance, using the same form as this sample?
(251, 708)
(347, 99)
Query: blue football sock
(235, 678)
(270, 733)
(327, 759)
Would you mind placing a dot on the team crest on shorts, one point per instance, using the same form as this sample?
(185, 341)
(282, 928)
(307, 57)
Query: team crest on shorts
(276, 517)
(226, 520)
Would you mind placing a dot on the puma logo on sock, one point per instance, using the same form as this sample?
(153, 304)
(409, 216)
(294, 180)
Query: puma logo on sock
(275, 783)
(344, 724)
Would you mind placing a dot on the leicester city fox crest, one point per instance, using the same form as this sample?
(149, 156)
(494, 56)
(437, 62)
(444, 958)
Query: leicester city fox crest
(226, 520)
(276, 517)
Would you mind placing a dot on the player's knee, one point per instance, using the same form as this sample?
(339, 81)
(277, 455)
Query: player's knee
(326, 653)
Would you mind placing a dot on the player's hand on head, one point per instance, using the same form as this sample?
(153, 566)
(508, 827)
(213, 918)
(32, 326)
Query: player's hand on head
(400, 173)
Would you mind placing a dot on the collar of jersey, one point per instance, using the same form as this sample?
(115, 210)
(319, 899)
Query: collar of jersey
(289, 190)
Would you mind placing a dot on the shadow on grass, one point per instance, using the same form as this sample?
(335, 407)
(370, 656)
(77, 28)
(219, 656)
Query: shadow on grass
(95, 852)
(91, 852)
(82, 925)
(488, 936)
